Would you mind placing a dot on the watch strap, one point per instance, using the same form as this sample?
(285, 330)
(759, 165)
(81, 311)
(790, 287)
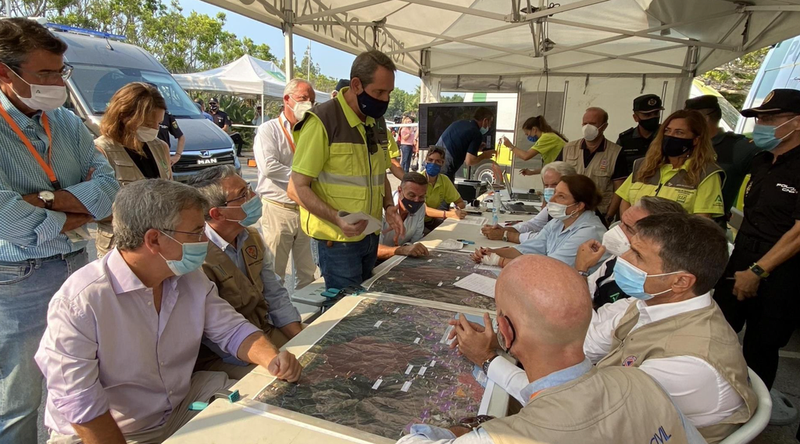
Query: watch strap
(486, 363)
(505, 236)
(760, 272)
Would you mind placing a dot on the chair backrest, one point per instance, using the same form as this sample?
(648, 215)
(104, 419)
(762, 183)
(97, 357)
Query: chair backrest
(751, 429)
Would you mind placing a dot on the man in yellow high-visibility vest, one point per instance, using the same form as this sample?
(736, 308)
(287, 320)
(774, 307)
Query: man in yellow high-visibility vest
(340, 166)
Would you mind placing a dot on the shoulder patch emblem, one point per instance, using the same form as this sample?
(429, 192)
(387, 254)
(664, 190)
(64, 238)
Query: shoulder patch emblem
(629, 361)
(251, 251)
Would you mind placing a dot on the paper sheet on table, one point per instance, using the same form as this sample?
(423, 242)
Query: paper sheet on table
(373, 224)
(478, 283)
(450, 244)
(473, 220)
(493, 268)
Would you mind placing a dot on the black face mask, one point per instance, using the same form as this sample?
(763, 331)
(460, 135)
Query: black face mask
(371, 106)
(650, 124)
(411, 206)
(214, 107)
(675, 147)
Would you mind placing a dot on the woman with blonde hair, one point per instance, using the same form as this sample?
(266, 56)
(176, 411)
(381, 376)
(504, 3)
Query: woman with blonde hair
(680, 166)
(129, 140)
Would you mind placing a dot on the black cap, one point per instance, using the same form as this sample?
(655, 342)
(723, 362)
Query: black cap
(647, 103)
(212, 100)
(777, 101)
(707, 101)
(341, 84)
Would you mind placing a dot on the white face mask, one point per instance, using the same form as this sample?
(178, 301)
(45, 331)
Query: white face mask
(615, 241)
(590, 132)
(559, 211)
(43, 97)
(146, 134)
(300, 109)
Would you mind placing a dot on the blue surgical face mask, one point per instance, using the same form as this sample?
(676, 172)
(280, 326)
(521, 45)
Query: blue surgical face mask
(252, 210)
(631, 279)
(433, 169)
(549, 193)
(484, 130)
(533, 139)
(194, 254)
(764, 136)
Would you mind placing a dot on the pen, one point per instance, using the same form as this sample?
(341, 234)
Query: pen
(512, 222)
(468, 242)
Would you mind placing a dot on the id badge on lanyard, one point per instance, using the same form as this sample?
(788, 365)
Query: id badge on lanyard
(46, 166)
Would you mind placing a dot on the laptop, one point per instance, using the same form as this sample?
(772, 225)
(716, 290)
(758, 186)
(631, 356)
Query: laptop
(517, 208)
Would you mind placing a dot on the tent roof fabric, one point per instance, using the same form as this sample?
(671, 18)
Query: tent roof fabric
(505, 38)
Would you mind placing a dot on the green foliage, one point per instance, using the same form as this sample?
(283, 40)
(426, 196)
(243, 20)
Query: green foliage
(402, 102)
(734, 79)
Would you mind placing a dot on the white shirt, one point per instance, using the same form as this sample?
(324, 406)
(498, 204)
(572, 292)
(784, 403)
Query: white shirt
(701, 393)
(593, 278)
(274, 155)
(532, 226)
(414, 223)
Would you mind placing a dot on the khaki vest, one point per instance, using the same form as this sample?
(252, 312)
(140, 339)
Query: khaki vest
(243, 291)
(702, 333)
(126, 172)
(610, 405)
(352, 179)
(600, 169)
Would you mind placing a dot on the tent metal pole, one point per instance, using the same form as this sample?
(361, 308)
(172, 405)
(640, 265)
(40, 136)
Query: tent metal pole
(304, 19)
(288, 40)
(262, 108)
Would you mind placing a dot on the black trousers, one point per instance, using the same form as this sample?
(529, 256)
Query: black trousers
(239, 142)
(771, 317)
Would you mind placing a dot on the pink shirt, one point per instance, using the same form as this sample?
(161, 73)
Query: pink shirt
(407, 135)
(106, 347)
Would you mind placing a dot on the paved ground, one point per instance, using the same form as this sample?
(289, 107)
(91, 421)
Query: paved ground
(788, 380)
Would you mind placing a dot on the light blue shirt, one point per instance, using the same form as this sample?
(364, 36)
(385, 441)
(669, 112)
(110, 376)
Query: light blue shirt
(30, 232)
(556, 242)
(281, 310)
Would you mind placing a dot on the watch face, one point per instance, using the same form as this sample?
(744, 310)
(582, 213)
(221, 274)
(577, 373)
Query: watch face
(47, 195)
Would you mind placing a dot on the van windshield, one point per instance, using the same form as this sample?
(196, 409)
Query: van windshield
(96, 85)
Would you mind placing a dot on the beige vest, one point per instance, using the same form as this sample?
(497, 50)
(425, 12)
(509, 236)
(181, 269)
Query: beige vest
(243, 291)
(702, 333)
(610, 405)
(126, 172)
(600, 169)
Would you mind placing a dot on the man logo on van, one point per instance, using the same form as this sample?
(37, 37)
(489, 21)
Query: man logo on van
(661, 436)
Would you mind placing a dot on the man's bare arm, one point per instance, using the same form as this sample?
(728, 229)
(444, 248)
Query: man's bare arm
(101, 430)
(300, 191)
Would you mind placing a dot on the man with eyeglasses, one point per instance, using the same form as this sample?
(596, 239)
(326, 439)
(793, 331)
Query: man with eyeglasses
(735, 152)
(273, 149)
(123, 333)
(340, 167)
(240, 266)
(52, 183)
(759, 287)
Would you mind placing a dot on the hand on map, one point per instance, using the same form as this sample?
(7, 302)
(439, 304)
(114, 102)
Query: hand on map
(474, 341)
(492, 232)
(395, 222)
(415, 250)
(456, 213)
(479, 253)
(589, 254)
(285, 366)
(351, 230)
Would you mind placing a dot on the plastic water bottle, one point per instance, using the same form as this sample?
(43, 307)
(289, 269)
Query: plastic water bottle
(495, 208)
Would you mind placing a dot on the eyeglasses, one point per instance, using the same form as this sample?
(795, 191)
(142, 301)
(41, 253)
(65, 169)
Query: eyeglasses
(304, 99)
(248, 192)
(50, 76)
(199, 237)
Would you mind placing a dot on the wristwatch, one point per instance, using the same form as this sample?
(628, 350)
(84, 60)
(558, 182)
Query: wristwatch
(583, 273)
(505, 236)
(47, 197)
(760, 272)
(485, 365)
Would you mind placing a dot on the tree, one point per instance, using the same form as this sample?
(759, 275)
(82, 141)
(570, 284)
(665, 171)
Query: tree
(734, 79)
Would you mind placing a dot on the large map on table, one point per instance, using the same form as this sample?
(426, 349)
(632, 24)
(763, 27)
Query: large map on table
(433, 278)
(382, 368)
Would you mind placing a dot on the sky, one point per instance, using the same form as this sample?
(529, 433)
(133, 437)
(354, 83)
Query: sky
(332, 62)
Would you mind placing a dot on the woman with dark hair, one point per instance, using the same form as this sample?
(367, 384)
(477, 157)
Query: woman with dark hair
(547, 142)
(679, 166)
(574, 222)
(129, 140)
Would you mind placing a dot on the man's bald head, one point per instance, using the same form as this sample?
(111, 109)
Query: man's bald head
(547, 302)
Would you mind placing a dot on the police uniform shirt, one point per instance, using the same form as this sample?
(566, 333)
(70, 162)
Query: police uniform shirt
(221, 118)
(634, 146)
(620, 171)
(169, 126)
(772, 198)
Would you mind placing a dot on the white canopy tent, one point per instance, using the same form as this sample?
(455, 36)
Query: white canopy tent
(606, 49)
(244, 76)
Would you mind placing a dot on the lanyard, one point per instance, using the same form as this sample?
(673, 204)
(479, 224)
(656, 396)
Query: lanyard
(46, 166)
(286, 133)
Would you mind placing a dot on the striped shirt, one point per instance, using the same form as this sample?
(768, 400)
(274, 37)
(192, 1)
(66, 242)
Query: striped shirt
(29, 232)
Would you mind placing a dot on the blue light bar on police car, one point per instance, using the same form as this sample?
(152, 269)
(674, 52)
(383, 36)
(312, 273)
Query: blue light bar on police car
(91, 32)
